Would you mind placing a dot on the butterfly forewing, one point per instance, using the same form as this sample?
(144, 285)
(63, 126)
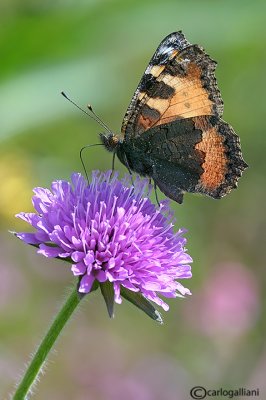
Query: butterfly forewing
(179, 82)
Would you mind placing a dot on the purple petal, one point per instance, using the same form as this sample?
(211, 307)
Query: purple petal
(78, 269)
(49, 251)
(101, 276)
(118, 298)
(89, 258)
(86, 283)
(77, 256)
(29, 238)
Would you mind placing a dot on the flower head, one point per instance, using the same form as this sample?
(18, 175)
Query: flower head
(111, 233)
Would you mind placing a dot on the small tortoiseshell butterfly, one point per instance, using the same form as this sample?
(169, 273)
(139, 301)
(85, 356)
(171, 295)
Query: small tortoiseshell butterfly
(172, 131)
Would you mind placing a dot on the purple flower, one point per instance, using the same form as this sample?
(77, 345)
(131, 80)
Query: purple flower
(111, 233)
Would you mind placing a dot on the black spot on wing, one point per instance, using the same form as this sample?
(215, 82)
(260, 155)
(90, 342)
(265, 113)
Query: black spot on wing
(148, 80)
(156, 89)
(150, 113)
(175, 68)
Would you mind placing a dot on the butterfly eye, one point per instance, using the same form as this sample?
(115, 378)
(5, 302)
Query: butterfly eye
(110, 141)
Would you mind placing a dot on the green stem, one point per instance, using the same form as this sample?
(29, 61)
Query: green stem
(24, 388)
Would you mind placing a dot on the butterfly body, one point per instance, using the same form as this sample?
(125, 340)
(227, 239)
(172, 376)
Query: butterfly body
(173, 131)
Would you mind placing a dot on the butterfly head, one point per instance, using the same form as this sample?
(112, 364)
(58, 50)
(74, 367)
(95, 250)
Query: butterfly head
(110, 141)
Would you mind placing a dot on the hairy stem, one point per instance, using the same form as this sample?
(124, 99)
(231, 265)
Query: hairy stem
(30, 378)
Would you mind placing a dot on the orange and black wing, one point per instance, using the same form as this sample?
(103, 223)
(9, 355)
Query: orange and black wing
(198, 155)
(179, 82)
(174, 121)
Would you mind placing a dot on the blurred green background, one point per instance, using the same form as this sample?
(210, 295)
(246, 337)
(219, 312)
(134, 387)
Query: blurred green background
(97, 51)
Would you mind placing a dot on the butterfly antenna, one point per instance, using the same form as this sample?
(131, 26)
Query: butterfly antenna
(98, 119)
(93, 116)
(81, 157)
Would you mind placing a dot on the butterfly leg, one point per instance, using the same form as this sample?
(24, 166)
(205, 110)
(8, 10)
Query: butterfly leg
(156, 193)
(128, 168)
(113, 164)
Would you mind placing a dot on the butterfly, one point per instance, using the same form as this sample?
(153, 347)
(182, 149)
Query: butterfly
(172, 131)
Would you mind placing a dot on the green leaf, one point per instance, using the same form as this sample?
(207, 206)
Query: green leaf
(142, 303)
(107, 290)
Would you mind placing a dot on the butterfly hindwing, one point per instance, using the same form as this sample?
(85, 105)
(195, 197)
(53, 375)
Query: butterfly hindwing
(198, 155)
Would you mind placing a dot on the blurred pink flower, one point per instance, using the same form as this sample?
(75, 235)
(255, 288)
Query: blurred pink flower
(228, 304)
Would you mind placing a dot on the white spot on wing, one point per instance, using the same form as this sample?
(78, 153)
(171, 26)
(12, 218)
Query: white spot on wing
(163, 50)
